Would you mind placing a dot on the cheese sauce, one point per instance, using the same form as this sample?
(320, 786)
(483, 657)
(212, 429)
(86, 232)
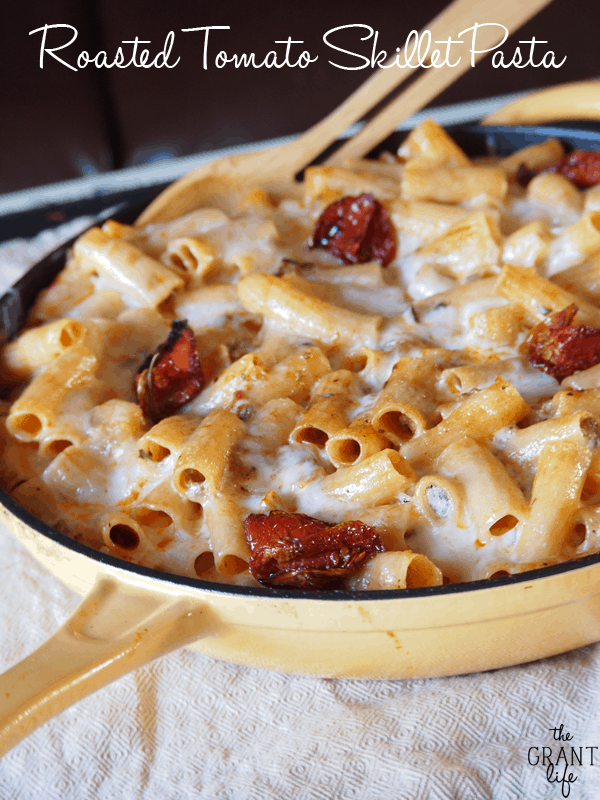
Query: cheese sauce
(98, 476)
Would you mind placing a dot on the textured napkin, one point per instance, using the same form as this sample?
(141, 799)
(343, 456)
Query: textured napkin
(187, 726)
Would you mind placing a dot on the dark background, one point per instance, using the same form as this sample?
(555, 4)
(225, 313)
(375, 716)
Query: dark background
(58, 124)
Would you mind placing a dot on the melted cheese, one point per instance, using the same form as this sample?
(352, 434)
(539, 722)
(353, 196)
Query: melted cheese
(419, 310)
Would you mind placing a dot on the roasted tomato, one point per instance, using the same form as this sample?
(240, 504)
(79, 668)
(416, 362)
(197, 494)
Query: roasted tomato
(559, 348)
(582, 167)
(355, 230)
(172, 376)
(306, 553)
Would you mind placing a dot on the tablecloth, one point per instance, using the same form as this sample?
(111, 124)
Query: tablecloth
(187, 726)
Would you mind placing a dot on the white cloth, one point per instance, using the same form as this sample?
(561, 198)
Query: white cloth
(190, 727)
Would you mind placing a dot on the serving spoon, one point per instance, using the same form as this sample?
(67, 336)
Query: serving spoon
(274, 169)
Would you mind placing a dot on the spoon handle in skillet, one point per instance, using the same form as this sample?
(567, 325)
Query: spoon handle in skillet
(456, 19)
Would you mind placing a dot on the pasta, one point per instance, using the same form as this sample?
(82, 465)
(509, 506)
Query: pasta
(390, 388)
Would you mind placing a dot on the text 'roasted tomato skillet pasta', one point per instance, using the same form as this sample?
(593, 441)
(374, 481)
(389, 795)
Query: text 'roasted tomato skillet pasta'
(387, 378)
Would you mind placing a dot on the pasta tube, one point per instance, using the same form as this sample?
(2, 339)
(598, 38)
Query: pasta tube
(354, 444)
(377, 480)
(247, 380)
(35, 412)
(584, 537)
(586, 379)
(461, 380)
(528, 246)
(205, 457)
(479, 416)
(392, 522)
(575, 243)
(429, 141)
(224, 520)
(168, 437)
(555, 498)
(324, 184)
(327, 413)
(406, 405)
(562, 199)
(540, 297)
(37, 347)
(192, 254)
(534, 156)
(570, 401)
(162, 507)
(419, 222)
(274, 422)
(294, 310)
(582, 280)
(500, 324)
(495, 503)
(396, 570)
(470, 247)
(580, 427)
(424, 180)
(122, 534)
(135, 273)
(439, 499)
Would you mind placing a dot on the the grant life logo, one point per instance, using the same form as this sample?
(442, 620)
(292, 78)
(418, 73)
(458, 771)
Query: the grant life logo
(560, 761)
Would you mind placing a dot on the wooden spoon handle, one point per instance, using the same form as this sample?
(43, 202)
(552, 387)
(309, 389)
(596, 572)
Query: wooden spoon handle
(311, 143)
(458, 17)
(577, 100)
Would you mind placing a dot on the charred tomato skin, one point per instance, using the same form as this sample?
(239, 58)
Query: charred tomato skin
(355, 230)
(559, 348)
(581, 167)
(172, 376)
(302, 552)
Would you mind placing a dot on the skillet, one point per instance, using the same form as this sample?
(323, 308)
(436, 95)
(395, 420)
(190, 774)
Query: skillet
(131, 614)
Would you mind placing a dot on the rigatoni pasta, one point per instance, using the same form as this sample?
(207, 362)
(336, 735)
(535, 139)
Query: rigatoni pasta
(379, 379)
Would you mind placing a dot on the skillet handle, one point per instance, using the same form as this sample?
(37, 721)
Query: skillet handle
(115, 629)
(577, 100)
